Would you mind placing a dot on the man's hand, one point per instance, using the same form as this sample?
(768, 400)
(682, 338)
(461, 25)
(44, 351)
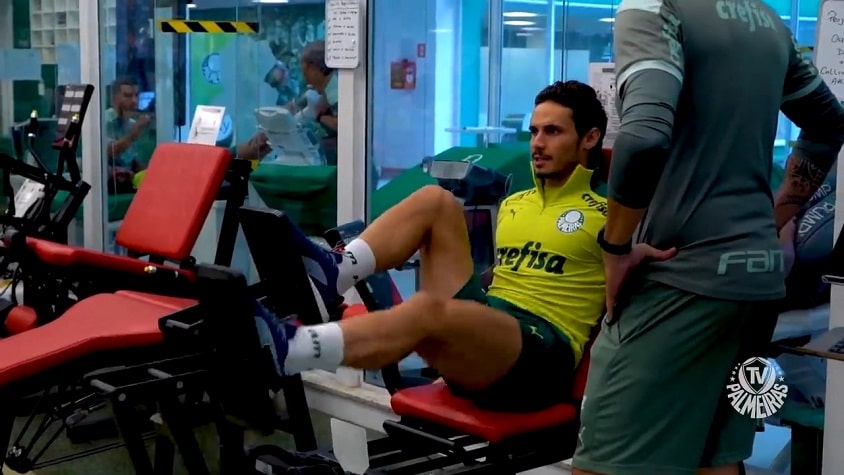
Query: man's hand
(260, 144)
(122, 175)
(255, 148)
(618, 268)
(141, 124)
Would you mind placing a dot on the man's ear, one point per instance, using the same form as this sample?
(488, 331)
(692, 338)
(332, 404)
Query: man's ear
(591, 139)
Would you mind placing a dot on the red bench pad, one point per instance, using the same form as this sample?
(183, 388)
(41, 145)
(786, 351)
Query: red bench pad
(62, 255)
(173, 303)
(435, 403)
(99, 323)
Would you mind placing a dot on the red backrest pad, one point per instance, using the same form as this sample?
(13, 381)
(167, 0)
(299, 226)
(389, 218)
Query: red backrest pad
(171, 205)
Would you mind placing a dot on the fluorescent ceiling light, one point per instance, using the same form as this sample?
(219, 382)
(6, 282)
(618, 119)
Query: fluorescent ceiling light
(524, 34)
(519, 23)
(520, 14)
(191, 4)
(533, 28)
(607, 20)
(270, 1)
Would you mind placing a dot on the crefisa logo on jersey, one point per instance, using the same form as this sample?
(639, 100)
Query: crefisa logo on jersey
(570, 221)
(757, 388)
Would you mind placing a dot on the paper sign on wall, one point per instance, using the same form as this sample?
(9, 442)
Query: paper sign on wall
(342, 34)
(602, 79)
(206, 124)
(829, 52)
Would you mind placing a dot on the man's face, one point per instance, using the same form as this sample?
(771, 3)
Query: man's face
(126, 98)
(310, 73)
(555, 147)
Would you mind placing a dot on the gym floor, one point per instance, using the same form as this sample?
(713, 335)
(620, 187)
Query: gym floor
(117, 461)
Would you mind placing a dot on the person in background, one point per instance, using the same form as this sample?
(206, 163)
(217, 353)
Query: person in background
(125, 126)
(321, 110)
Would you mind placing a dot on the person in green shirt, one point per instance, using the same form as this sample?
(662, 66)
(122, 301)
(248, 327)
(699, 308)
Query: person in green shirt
(126, 127)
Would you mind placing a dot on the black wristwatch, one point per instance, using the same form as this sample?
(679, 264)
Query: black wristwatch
(614, 249)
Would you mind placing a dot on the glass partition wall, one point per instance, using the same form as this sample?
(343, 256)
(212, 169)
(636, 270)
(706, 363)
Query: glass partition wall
(40, 40)
(153, 81)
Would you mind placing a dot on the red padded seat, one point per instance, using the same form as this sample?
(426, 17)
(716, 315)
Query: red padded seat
(62, 255)
(99, 323)
(173, 303)
(435, 403)
(170, 207)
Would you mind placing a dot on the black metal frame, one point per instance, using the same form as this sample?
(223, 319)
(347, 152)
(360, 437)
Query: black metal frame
(38, 221)
(228, 365)
(48, 286)
(57, 396)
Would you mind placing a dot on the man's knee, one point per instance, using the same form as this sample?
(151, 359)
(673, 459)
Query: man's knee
(428, 310)
(439, 197)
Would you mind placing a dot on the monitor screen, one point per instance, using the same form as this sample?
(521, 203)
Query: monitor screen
(146, 101)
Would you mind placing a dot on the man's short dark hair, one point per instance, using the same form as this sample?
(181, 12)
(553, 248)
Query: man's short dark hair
(586, 110)
(118, 83)
(314, 53)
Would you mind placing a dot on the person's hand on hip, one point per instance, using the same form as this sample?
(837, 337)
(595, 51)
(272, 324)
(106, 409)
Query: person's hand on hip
(618, 268)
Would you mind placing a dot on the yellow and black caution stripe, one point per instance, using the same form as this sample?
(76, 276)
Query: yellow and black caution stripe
(203, 26)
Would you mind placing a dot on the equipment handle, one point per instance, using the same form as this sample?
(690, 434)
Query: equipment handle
(104, 387)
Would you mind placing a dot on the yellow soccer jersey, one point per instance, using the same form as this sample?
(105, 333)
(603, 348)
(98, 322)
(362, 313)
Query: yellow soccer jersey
(549, 262)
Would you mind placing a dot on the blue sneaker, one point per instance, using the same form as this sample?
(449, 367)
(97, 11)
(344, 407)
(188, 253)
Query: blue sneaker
(322, 266)
(275, 334)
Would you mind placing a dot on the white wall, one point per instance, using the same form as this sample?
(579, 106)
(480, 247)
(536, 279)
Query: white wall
(410, 124)
(833, 456)
(524, 74)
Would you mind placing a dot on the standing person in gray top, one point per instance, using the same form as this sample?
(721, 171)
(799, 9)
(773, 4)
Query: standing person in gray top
(700, 84)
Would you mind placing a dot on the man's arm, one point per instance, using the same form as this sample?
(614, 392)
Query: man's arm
(649, 66)
(119, 145)
(116, 147)
(808, 102)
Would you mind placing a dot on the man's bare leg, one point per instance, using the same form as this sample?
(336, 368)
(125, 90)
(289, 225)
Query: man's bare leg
(468, 342)
(430, 220)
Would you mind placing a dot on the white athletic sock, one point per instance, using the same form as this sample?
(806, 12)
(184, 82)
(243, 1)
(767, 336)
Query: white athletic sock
(315, 347)
(358, 263)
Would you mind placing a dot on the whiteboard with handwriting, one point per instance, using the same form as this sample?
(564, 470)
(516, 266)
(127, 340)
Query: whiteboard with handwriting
(342, 34)
(829, 51)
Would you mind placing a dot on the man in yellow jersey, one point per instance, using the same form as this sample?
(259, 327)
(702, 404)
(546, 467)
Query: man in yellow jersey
(514, 348)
